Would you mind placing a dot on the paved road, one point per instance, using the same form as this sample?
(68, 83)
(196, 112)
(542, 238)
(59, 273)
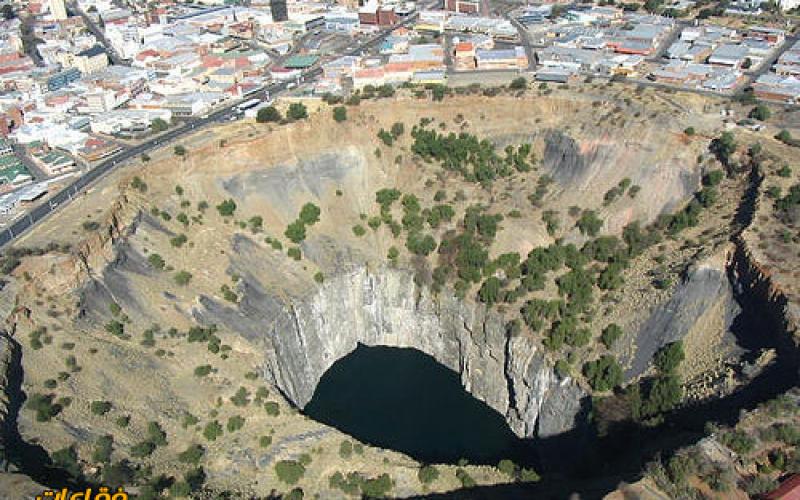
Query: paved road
(668, 41)
(489, 72)
(34, 216)
(98, 33)
(448, 53)
(767, 63)
(65, 195)
(525, 40)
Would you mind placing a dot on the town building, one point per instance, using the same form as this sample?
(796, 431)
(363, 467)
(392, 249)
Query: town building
(282, 73)
(279, 10)
(5, 147)
(774, 36)
(96, 149)
(54, 162)
(464, 56)
(438, 77)
(501, 59)
(54, 134)
(706, 76)
(467, 6)
(342, 22)
(789, 62)
(90, 60)
(731, 56)
(128, 122)
(62, 79)
(58, 9)
(374, 13)
(777, 87)
(555, 75)
(500, 29)
(431, 21)
(789, 489)
(13, 172)
(344, 66)
(300, 61)
(10, 117)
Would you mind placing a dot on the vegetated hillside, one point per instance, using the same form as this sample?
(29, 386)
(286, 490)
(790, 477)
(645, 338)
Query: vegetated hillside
(753, 454)
(742, 461)
(772, 238)
(151, 345)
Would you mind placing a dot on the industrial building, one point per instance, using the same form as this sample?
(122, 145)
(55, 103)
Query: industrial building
(777, 87)
(279, 10)
(500, 59)
(300, 61)
(467, 6)
(62, 79)
(12, 172)
(54, 162)
(377, 14)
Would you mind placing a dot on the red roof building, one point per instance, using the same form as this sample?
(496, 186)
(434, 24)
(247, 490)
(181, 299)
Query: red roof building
(213, 62)
(788, 490)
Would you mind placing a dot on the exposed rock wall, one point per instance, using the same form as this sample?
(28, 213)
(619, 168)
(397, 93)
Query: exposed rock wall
(6, 360)
(779, 314)
(99, 249)
(768, 288)
(14, 453)
(386, 308)
(706, 290)
(585, 166)
(754, 274)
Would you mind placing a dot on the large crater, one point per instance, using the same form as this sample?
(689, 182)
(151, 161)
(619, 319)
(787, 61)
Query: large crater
(290, 319)
(384, 307)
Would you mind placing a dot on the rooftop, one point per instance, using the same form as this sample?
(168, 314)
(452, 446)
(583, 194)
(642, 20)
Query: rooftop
(93, 51)
(301, 61)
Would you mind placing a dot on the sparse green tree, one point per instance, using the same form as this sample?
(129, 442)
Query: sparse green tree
(297, 111)
(268, 114)
(340, 114)
(603, 374)
(183, 278)
(159, 125)
(610, 334)
(427, 474)
(102, 449)
(289, 471)
(760, 113)
(100, 407)
(212, 430)
(226, 208)
(519, 83)
(669, 357)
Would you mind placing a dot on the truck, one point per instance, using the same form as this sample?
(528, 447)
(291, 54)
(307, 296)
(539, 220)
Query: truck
(250, 103)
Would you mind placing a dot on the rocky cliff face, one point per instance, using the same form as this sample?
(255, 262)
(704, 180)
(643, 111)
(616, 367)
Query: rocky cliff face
(779, 314)
(13, 456)
(304, 334)
(704, 293)
(385, 307)
(585, 166)
(6, 360)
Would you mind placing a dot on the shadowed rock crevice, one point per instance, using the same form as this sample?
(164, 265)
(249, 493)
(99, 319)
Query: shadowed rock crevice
(385, 308)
